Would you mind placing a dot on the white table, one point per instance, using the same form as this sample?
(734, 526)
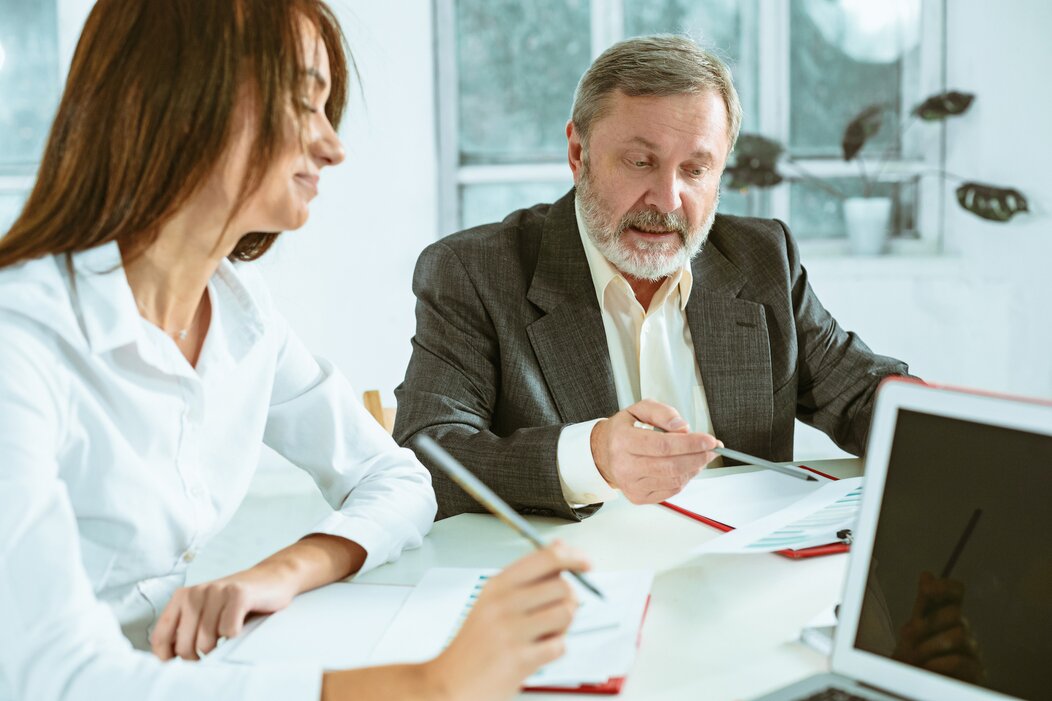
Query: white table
(718, 627)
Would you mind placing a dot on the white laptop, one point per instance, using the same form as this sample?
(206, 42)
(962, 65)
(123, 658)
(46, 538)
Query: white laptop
(958, 486)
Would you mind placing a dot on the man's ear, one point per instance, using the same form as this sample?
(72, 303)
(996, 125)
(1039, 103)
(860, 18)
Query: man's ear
(574, 150)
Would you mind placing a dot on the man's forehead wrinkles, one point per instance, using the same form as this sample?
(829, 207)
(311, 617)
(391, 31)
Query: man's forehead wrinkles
(701, 151)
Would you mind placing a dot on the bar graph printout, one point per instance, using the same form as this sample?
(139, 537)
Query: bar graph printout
(814, 520)
(600, 644)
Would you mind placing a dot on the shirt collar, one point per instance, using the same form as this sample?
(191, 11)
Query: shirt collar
(103, 300)
(110, 317)
(603, 272)
(243, 322)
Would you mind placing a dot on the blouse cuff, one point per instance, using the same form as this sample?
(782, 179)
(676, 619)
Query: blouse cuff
(373, 539)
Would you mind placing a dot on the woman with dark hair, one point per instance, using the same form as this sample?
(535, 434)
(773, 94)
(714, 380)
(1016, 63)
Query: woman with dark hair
(141, 367)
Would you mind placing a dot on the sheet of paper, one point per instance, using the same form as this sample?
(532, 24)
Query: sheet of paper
(594, 655)
(336, 626)
(812, 520)
(738, 499)
(601, 642)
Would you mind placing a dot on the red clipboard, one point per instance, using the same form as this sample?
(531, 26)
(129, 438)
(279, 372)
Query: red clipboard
(830, 549)
(608, 688)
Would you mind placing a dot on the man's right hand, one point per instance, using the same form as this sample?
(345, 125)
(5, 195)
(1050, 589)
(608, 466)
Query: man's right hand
(937, 636)
(649, 466)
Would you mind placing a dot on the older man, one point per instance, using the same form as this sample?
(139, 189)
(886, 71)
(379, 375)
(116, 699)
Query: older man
(543, 341)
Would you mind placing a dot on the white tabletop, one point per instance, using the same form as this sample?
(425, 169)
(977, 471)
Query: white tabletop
(718, 627)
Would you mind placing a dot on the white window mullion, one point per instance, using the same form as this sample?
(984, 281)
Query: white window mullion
(608, 24)
(513, 173)
(448, 124)
(72, 14)
(930, 140)
(773, 79)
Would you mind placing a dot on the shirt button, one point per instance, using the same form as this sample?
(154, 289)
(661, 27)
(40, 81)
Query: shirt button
(197, 492)
(189, 556)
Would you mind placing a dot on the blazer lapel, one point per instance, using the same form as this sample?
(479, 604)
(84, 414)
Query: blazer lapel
(569, 340)
(734, 355)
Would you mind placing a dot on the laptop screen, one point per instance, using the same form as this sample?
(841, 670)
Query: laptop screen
(960, 580)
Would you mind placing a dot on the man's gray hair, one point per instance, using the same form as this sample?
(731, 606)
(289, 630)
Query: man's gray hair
(657, 65)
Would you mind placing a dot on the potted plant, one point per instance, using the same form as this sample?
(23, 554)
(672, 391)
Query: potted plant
(868, 217)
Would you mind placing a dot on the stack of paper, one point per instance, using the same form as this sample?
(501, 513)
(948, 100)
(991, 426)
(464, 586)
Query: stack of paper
(738, 499)
(816, 519)
(600, 645)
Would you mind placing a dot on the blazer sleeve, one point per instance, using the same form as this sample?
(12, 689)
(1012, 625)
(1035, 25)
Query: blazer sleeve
(838, 374)
(450, 392)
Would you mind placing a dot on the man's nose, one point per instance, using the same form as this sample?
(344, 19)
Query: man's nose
(665, 192)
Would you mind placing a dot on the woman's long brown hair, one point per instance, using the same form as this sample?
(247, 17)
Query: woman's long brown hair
(148, 111)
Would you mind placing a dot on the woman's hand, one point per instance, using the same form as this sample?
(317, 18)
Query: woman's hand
(517, 625)
(197, 617)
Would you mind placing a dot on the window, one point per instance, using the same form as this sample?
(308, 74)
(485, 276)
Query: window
(36, 45)
(803, 68)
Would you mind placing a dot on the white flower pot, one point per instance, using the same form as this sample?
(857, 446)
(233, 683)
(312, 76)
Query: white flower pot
(868, 221)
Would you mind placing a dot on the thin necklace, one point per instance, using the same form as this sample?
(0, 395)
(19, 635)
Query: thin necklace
(179, 334)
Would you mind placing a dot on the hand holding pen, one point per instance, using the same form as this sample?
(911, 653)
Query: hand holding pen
(650, 467)
(788, 470)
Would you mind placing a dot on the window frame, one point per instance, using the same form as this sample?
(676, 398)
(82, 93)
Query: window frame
(765, 54)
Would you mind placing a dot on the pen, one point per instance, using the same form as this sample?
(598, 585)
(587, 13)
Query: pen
(487, 497)
(961, 542)
(789, 470)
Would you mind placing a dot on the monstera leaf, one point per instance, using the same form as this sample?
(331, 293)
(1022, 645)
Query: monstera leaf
(861, 129)
(755, 162)
(943, 105)
(990, 202)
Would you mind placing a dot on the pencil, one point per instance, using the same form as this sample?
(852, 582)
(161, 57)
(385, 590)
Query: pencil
(487, 497)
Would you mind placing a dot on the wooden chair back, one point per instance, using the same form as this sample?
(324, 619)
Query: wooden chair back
(385, 416)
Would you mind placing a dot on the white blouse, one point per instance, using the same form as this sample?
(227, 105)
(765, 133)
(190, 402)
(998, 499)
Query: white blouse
(119, 461)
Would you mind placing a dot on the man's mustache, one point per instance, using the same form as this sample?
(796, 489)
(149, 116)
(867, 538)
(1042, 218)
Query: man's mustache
(649, 220)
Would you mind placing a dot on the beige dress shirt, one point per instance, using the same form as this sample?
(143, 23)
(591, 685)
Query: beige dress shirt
(652, 357)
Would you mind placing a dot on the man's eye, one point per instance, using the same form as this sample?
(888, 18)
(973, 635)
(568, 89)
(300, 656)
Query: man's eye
(640, 164)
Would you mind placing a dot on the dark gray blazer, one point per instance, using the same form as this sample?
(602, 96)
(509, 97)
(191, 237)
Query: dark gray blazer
(510, 348)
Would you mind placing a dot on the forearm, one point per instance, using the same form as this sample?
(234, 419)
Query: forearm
(411, 682)
(314, 561)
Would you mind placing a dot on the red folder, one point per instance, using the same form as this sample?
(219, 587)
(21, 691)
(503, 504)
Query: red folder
(830, 549)
(608, 688)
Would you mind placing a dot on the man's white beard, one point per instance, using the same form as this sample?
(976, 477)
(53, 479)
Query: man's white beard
(644, 260)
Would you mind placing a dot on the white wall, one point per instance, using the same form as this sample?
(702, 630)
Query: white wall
(343, 280)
